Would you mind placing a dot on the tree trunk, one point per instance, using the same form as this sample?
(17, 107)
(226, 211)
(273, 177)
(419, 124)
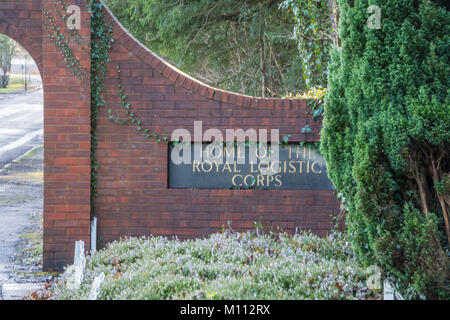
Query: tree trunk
(334, 20)
(436, 178)
(262, 52)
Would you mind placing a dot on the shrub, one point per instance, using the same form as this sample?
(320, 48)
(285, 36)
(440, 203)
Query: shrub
(224, 266)
(386, 135)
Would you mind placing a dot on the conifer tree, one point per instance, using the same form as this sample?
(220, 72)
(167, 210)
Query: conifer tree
(386, 138)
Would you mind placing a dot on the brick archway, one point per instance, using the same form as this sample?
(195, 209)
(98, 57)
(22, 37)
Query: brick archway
(66, 132)
(133, 194)
(31, 43)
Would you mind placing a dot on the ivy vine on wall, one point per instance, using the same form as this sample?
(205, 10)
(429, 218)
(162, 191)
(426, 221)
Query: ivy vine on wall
(101, 41)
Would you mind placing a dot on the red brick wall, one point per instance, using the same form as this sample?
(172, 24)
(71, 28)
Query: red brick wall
(66, 128)
(134, 198)
(67, 149)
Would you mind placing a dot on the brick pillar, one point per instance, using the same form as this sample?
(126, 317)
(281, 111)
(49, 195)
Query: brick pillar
(67, 146)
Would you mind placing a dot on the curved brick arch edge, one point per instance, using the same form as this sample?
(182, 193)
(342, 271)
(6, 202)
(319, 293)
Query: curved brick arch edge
(25, 40)
(121, 34)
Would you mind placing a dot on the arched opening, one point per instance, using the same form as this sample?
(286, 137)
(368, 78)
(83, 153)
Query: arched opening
(21, 165)
(67, 129)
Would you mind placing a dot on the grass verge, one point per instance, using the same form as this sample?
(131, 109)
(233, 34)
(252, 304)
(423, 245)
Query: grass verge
(15, 84)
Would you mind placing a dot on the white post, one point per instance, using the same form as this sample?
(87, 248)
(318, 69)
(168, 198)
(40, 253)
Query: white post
(95, 290)
(388, 291)
(94, 235)
(79, 252)
(80, 262)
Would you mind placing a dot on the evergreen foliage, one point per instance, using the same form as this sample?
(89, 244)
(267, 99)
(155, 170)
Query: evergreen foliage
(234, 266)
(315, 24)
(386, 138)
(241, 46)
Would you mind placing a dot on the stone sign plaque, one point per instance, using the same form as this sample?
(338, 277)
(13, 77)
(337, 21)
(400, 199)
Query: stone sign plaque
(295, 168)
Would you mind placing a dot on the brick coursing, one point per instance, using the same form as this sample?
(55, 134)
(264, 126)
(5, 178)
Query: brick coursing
(133, 196)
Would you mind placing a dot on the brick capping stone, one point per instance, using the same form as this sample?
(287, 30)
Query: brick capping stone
(133, 194)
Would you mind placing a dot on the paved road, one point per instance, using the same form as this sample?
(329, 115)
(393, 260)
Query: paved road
(21, 124)
(21, 196)
(21, 192)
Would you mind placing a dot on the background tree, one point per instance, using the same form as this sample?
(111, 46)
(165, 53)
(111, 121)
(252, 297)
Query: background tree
(242, 46)
(315, 30)
(386, 138)
(8, 48)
